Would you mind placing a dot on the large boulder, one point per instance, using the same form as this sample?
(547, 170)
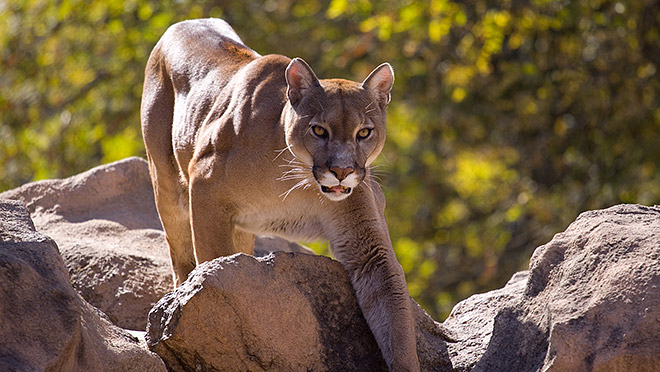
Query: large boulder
(283, 312)
(44, 323)
(473, 319)
(590, 302)
(107, 228)
(106, 225)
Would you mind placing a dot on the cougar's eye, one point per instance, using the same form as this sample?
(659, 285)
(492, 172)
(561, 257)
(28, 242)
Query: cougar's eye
(319, 131)
(363, 133)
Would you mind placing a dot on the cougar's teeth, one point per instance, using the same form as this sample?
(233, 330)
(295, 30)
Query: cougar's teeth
(338, 189)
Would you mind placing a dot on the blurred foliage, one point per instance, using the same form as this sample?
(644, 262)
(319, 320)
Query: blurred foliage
(508, 118)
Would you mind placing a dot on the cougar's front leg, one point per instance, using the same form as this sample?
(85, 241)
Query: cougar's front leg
(382, 293)
(365, 250)
(213, 232)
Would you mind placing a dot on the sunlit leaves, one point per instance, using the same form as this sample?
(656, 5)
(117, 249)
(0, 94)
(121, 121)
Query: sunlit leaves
(339, 8)
(483, 178)
(122, 145)
(73, 66)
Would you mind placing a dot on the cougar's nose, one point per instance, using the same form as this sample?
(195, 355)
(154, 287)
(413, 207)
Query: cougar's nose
(341, 173)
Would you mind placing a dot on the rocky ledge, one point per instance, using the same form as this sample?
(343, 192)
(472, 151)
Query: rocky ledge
(589, 302)
(45, 324)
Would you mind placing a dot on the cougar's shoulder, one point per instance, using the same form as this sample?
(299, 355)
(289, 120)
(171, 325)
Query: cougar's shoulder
(246, 113)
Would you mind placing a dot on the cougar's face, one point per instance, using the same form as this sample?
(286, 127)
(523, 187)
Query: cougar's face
(338, 131)
(335, 127)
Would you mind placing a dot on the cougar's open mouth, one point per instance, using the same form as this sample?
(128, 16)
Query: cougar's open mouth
(336, 189)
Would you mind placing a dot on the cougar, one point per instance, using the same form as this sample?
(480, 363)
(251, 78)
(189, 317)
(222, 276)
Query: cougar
(241, 144)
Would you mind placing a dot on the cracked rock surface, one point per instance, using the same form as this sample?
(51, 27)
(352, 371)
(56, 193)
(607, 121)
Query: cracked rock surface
(107, 228)
(45, 325)
(240, 313)
(590, 300)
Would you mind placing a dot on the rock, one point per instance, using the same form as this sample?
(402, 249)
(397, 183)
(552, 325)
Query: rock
(283, 312)
(240, 313)
(264, 245)
(45, 324)
(109, 234)
(473, 319)
(591, 302)
(107, 228)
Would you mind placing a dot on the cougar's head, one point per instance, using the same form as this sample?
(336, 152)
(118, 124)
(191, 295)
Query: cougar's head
(336, 127)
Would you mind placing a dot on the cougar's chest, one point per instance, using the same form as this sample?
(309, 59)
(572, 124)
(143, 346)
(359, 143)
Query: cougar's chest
(293, 222)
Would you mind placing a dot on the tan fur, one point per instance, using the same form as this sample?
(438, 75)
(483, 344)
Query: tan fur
(233, 152)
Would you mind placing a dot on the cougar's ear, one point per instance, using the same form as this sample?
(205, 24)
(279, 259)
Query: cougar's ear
(380, 81)
(299, 78)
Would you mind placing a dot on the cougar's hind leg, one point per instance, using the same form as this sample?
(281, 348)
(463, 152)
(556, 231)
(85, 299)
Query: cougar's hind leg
(157, 114)
(172, 204)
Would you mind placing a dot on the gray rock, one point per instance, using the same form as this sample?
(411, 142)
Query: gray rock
(44, 323)
(105, 223)
(283, 312)
(591, 302)
(473, 320)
